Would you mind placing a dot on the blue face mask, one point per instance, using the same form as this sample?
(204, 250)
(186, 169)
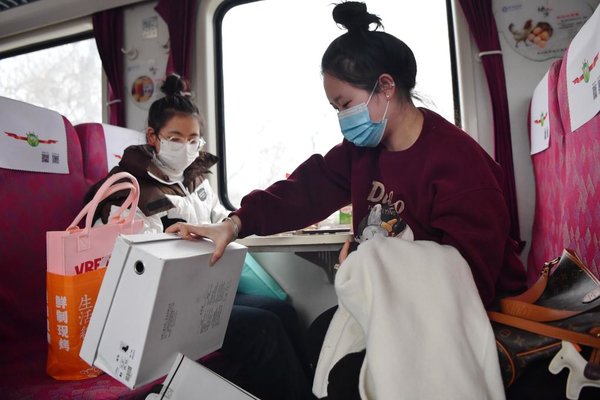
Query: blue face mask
(357, 126)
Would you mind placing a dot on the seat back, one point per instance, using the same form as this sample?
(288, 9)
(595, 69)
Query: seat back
(548, 170)
(32, 203)
(567, 177)
(102, 146)
(581, 191)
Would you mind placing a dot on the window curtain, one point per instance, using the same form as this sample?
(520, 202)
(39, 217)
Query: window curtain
(482, 24)
(108, 32)
(180, 17)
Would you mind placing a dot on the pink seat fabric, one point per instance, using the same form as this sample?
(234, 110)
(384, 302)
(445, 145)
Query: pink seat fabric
(96, 139)
(567, 210)
(581, 194)
(31, 204)
(548, 169)
(93, 149)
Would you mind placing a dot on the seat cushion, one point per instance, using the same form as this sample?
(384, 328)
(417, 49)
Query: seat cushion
(23, 376)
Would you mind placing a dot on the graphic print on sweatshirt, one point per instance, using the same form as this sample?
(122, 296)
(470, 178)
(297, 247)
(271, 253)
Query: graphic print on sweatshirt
(385, 221)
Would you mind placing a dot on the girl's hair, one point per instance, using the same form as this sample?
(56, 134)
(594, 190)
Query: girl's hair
(176, 101)
(360, 56)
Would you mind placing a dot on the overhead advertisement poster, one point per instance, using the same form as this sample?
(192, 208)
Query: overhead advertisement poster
(541, 30)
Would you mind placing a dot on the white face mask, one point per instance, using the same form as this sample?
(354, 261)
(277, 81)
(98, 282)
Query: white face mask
(178, 156)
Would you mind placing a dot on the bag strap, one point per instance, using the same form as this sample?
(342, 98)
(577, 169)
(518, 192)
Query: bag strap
(534, 312)
(592, 340)
(109, 187)
(131, 198)
(532, 294)
(522, 305)
(593, 365)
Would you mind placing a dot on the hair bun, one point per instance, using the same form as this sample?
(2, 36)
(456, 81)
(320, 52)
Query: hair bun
(353, 16)
(174, 85)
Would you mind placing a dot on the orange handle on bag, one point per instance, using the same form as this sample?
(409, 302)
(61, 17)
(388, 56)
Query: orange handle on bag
(523, 306)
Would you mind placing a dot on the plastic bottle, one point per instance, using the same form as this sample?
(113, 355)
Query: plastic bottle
(346, 215)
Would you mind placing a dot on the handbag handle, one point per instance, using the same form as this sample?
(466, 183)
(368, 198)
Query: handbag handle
(86, 210)
(522, 305)
(592, 340)
(106, 189)
(127, 203)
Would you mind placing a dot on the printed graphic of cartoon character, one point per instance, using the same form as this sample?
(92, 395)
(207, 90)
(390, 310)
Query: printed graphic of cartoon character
(383, 221)
(586, 69)
(31, 138)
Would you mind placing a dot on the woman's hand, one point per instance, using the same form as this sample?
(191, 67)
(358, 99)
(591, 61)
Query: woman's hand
(221, 234)
(343, 255)
(344, 251)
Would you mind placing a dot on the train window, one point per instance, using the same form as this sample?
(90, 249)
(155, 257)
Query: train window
(273, 111)
(66, 78)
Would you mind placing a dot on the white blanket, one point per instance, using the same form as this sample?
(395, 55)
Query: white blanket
(414, 306)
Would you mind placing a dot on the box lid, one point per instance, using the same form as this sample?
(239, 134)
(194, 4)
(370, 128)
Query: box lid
(150, 237)
(171, 246)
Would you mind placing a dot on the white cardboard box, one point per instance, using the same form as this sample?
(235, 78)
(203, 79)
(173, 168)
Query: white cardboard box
(190, 380)
(159, 297)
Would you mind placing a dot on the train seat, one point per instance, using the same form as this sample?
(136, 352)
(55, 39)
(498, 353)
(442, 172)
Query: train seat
(567, 213)
(567, 178)
(102, 146)
(548, 170)
(32, 203)
(581, 191)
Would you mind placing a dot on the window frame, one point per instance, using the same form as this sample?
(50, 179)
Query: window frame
(221, 129)
(47, 44)
(82, 30)
(220, 13)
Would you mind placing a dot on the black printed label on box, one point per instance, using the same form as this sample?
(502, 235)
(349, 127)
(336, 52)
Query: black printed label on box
(124, 358)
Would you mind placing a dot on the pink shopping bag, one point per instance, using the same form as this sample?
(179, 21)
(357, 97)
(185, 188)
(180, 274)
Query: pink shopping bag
(76, 261)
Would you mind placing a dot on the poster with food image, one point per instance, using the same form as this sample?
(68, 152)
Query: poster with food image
(143, 81)
(142, 89)
(541, 30)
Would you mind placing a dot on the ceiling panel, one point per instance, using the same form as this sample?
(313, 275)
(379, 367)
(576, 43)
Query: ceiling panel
(10, 4)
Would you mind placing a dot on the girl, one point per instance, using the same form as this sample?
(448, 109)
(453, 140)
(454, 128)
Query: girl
(262, 346)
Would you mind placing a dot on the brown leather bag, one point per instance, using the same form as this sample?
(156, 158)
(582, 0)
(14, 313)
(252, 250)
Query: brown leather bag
(564, 304)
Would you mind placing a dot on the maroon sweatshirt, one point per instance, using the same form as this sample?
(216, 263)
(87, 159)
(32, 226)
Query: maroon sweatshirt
(445, 187)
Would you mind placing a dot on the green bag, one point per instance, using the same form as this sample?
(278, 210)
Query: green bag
(256, 281)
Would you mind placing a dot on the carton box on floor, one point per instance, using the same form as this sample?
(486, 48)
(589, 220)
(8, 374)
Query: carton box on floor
(190, 380)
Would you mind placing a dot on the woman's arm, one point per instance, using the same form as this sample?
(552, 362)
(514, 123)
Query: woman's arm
(313, 191)
(317, 188)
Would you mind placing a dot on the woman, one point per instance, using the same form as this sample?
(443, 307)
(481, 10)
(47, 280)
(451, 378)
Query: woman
(414, 173)
(262, 346)
(409, 160)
